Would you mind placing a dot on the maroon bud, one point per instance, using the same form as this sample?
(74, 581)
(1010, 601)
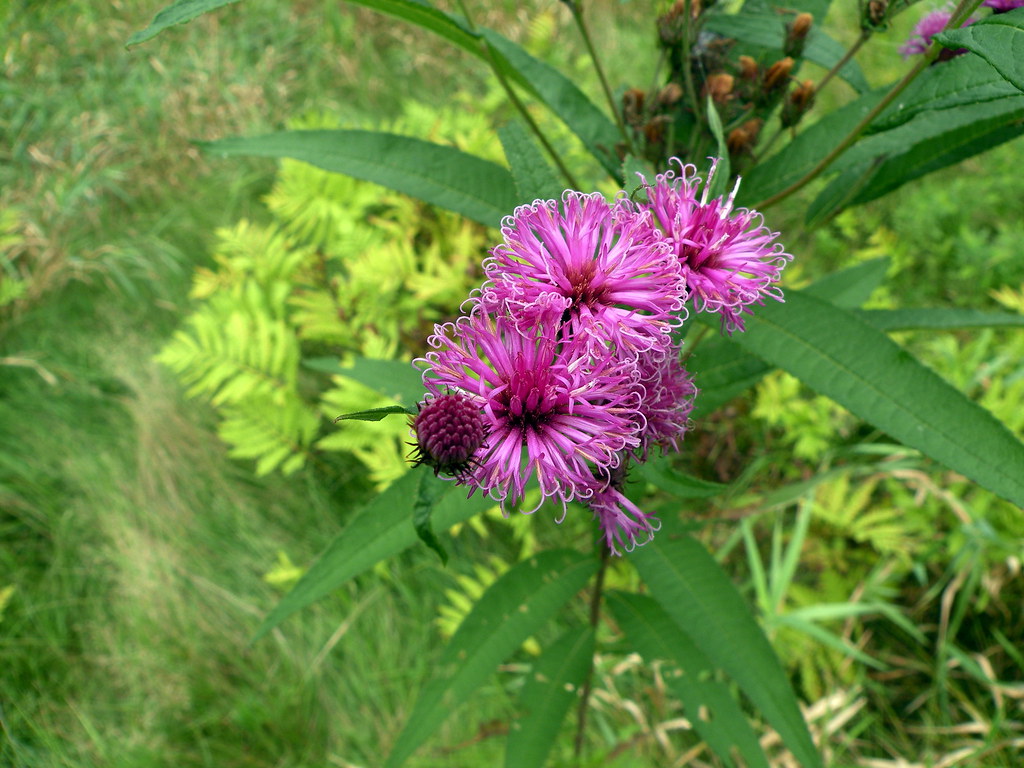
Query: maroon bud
(449, 431)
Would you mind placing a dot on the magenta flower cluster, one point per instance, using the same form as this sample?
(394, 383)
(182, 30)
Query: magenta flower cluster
(565, 366)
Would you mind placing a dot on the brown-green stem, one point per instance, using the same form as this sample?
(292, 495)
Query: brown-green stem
(595, 617)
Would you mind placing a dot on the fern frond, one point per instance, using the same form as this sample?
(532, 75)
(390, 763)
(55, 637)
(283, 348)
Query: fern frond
(276, 434)
(233, 358)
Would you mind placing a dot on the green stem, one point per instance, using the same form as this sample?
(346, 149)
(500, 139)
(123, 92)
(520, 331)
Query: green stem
(962, 11)
(492, 61)
(864, 35)
(595, 617)
(577, 15)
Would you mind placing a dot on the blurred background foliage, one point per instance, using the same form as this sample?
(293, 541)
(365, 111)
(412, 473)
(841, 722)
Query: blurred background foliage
(168, 461)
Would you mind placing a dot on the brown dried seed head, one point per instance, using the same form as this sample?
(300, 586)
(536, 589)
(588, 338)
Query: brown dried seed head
(748, 68)
(670, 94)
(719, 86)
(778, 74)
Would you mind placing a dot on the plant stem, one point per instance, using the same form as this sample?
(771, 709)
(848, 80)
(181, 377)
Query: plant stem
(577, 15)
(864, 35)
(492, 61)
(595, 616)
(962, 11)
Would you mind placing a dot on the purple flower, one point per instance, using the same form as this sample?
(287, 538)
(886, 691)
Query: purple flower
(551, 407)
(611, 280)
(1002, 6)
(666, 403)
(933, 23)
(729, 259)
(623, 523)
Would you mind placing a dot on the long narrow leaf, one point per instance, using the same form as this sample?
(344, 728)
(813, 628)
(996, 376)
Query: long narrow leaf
(512, 609)
(396, 379)
(534, 178)
(938, 319)
(552, 687)
(998, 39)
(383, 528)
(444, 176)
(694, 591)
(844, 358)
(177, 12)
(447, 25)
(708, 704)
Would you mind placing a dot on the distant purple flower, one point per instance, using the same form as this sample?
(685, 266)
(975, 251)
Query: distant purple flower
(730, 260)
(667, 401)
(1002, 6)
(613, 281)
(551, 408)
(933, 23)
(623, 523)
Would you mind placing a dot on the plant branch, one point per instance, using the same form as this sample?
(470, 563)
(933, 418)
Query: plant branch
(577, 15)
(492, 61)
(865, 34)
(962, 11)
(595, 617)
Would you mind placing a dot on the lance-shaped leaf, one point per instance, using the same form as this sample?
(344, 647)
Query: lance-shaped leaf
(427, 496)
(443, 176)
(381, 529)
(177, 12)
(448, 25)
(707, 703)
(723, 370)
(959, 81)
(842, 357)
(561, 95)
(938, 319)
(534, 178)
(552, 687)
(998, 39)
(513, 608)
(703, 603)
(376, 414)
(659, 471)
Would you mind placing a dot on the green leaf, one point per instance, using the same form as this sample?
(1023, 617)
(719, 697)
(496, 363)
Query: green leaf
(597, 132)
(723, 371)
(842, 357)
(443, 176)
(658, 471)
(375, 414)
(938, 319)
(963, 80)
(708, 704)
(998, 39)
(698, 596)
(378, 531)
(767, 30)
(513, 608)
(177, 12)
(552, 687)
(449, 26)
(426, 498)
(391, 378)
(885, 161)
(801, 155)
(720, 180)
(534, 178)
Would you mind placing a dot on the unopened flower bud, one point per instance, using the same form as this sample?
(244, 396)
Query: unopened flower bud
(449, 430)
(719, 87)
(742, 140)
(748, 68)
(655, 130)
(875, 14)
(796, 34)
(633, 106)
(778, 74)
(670, 94)
(797, 103)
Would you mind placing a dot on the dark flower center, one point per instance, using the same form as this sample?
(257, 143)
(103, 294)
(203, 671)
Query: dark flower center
(527, 401)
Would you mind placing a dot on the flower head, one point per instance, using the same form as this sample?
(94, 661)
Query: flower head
(1002, 6)
(729, 259)
(624, 524)
(611, 280)
(449, 430)
(551, 408)
(667, 401)
(921, 37)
